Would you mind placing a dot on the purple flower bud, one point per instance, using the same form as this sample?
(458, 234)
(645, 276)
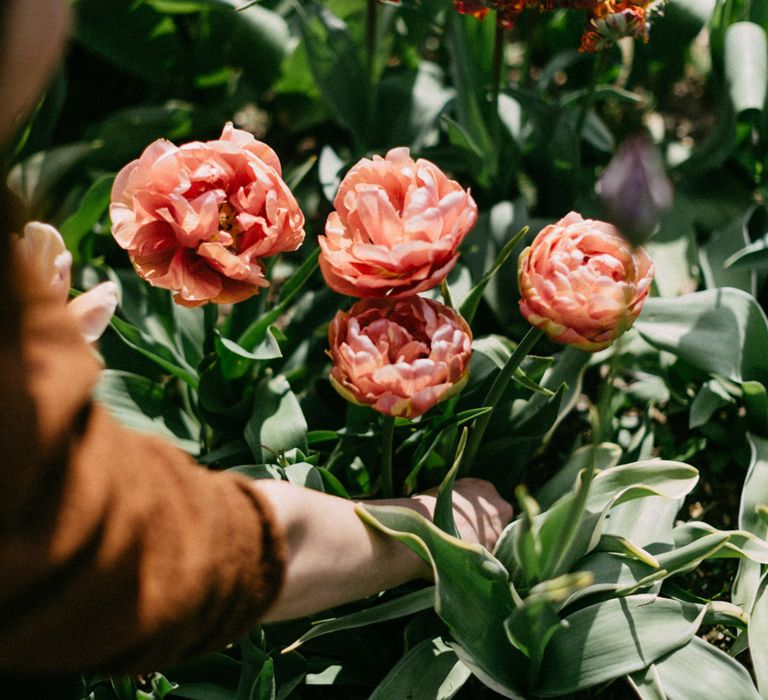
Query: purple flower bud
(635, 188)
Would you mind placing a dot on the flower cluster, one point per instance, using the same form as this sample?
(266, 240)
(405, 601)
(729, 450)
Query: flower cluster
(395, 232)
(607, 20)
(582, 283)
(198, 219)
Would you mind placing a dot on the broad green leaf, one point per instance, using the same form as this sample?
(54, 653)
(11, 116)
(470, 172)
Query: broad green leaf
(758, 635)
(471, 593)
(572, 527)
(92, 207)
(403, 606)
(277, 422)
(644, 521)
(470, 44)
(752, 255)
(602, 456)
(213, 677)
(136, 339)
(754, 495)
(305, 475)
(715, 257)
(614, 638)
(699, 670)
(36, 177)
(740, 543)
(721, 331)
(410, 103)
(647, 684)
(428, 670)
(141, 404)
(746, 65)
(336, 62)
(707, 400)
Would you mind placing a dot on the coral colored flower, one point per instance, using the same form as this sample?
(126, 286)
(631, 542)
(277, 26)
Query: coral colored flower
(396, 229)
(42, 250)
(399, 356)
(582, 283)
(198, 219)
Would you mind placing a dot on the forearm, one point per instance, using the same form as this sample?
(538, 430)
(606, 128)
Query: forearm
(332, 556)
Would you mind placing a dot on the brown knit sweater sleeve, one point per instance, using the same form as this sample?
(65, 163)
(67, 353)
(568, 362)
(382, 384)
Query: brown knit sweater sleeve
(117, 551)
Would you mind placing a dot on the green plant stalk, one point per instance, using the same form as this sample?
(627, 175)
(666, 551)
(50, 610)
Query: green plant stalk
(371, 45)
(589, 98)
(387, 435)
(495, 393)
(498, 65)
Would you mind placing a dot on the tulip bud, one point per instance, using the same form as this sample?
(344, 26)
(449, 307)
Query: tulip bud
(635, 189)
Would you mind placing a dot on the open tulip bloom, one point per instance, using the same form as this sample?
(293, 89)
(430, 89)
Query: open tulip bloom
(198, 219)
(401, 357)
(396, 228)
(582, 283)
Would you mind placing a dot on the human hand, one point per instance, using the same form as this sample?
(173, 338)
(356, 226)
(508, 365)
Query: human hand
(478, 509)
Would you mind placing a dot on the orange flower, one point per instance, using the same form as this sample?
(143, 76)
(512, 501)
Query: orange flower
(42, 250)
(612, 20)
(199, 218)
(399, 357)
(582, 283)
(396, 229)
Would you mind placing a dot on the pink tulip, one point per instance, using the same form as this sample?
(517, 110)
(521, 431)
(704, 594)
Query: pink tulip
(399, 356)
(198, 219)
(396, 229)
(43, 251)
(582, 283)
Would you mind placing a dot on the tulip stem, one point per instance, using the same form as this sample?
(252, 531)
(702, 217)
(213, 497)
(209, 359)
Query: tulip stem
(387, 435)
(495, 393)
(498, 63)
(589, 99)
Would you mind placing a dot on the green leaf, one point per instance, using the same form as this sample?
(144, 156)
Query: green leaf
(751, 256)
(428, 670)
(613, 638)
(256, 332)
(336, 63)
(277, 422)
(602, 456)
(572, 527)
(647, 684)
(717, 675)
(718, 256)
(92, 207)
(403, 606)
(746, 65)
(707, 400)
(443, 516)
(471, 594)
(721, 331)
(139, 341)
(469, 306)
(758, 635)
(754, 496)
(139, 403)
